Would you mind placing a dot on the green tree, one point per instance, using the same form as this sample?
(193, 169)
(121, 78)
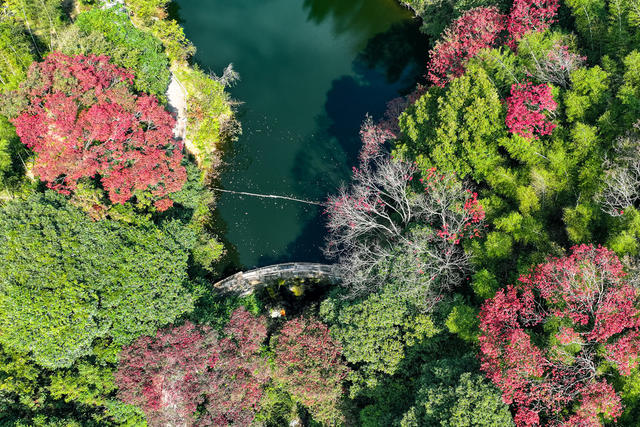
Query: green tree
(376, 332)
(65, 280)
(450, 395)
(42, 19)
(439, 386)
(606, 27)
(15, 54)
(13, 158)
(32, 394)
(105, 32)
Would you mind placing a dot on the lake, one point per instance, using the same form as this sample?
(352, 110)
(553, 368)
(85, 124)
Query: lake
(310, 71)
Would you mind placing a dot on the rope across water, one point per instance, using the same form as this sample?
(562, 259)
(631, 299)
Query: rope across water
(269, 196)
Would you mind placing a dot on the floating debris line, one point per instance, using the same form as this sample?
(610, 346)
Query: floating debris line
(269, 196)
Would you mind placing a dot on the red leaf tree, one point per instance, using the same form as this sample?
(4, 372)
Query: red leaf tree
(585, 309)
(237, 373)
(170, 375)
(310, 364)
(163, 375)
(477, 29)
(530, 15)
(83, 120)
(527, 110)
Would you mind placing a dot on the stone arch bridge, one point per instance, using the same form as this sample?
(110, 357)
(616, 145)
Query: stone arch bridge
(246, 282)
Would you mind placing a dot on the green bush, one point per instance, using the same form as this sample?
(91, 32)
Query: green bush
(16, 54)
(208, 113)
(105, 32)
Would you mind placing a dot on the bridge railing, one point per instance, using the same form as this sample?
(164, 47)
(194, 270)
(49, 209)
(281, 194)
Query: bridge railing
(246, 282)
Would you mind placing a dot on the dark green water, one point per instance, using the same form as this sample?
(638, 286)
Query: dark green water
(310, 71)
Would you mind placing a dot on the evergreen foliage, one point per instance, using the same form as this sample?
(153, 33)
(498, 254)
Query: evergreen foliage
(16, 54)
(66, 280)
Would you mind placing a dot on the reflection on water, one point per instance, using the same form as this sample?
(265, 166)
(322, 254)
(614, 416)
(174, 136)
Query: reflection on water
(358, 17)
(310, 72)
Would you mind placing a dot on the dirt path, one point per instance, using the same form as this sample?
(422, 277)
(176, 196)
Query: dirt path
(177, 98)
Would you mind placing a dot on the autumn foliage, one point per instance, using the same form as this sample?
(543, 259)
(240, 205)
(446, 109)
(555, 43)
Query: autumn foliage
(162, 374)
(530, 15)
(584, 308)
(310, 364)
(237, 372)
(170, 375)
(482, 28)
(83, 120)
(527, 110)
(477, 29)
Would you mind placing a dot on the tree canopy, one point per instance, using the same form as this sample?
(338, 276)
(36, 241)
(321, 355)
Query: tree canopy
(66, 280)
(77, 113)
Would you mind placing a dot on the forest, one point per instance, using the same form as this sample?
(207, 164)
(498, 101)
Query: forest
(487, 242)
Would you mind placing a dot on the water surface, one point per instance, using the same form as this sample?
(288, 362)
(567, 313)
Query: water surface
(310, 71)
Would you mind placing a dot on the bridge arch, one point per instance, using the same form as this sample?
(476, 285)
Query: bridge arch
(246, 282)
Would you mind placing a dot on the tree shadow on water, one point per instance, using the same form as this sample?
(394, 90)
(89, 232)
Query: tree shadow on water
(360, 18)
(401, 52)
(388, 67)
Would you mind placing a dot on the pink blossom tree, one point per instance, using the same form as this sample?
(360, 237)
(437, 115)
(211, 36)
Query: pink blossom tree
(163, 375)
(530, 15)
(394, 226)
(184, 367)
(477, 29)
(589, 308)
(237, 373)
(373, 136)
(527, 110)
